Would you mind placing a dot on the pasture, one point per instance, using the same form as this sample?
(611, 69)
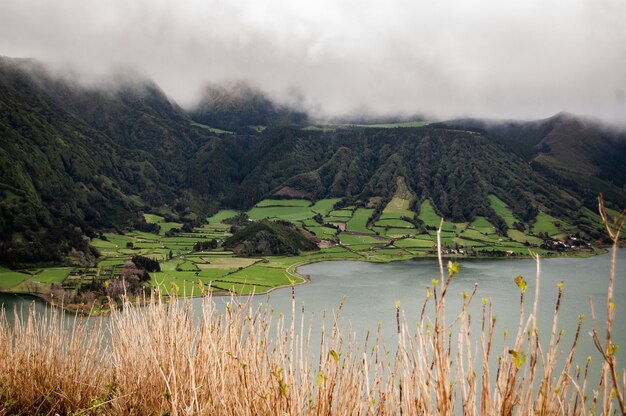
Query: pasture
(187, 272)
(545, 223)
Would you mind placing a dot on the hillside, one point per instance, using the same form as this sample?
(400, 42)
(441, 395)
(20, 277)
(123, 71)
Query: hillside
(78, 160)
(266, 238)
(586, 154)
(75, 159)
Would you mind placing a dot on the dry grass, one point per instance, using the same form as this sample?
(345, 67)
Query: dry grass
(164, 359)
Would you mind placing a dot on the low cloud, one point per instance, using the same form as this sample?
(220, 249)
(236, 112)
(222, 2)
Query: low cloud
(485, 58)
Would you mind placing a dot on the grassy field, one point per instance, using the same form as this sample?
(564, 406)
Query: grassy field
(10, 279)
(51, 275)
(428, 215)
(290, 210)
(521, 237)
(340, 213)
(153, 218)
(324, 206)
(211, 129)
(358, 222)
(403, 124)
(284, 203)
(185, 272)
(221, 216)
(545, 223)
(400, 204)
(415, 243)
(394, 223)
(324, 233)
(502, 210)
(363, 240)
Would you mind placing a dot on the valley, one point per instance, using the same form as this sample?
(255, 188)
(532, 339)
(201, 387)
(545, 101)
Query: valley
(194, 261)
(101, 187)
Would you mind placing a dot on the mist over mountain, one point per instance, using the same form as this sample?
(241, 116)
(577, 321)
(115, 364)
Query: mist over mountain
(444, 59)
(237, 105)
(79, 159)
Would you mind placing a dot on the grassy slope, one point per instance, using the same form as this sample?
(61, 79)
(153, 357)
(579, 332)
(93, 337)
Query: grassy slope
(502, 210)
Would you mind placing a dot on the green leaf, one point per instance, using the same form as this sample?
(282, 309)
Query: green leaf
(519, 358)
(521, 283)
(453, 268)
(321, 379)
(334, 354)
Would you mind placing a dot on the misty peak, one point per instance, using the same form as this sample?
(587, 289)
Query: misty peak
(238, 105)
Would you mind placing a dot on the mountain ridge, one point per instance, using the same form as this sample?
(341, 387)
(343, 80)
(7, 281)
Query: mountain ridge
(76, 160)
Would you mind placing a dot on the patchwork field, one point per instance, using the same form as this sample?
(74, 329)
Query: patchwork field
(391, 237)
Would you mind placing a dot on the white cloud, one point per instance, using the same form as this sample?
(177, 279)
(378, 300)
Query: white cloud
(489, 58)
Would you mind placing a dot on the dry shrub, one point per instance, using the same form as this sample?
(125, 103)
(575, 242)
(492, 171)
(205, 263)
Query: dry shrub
(162, 358)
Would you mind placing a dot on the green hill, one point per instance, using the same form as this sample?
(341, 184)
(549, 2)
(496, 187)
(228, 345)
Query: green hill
(264, 238)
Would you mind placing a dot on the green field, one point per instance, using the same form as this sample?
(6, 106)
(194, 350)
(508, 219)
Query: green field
(189, 272)
(502, 210)
(521, 237)
(428, 215)
(394, 223)
(221, 216)
(358, 222)
(322, 232)
(211, 129)
(415, 243)
(51, 275)
(10, 279)
(324, 206)
(545, 223)
(284, 213)
(284, 203)
(153, 218)
(482, 224)
(402, 124)
(400, 204)
(340, 213)
(355, 239)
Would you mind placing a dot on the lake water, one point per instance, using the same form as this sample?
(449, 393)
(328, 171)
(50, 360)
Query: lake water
(370, 292)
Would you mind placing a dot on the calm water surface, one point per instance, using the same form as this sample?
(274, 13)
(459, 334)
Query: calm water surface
(369, 292)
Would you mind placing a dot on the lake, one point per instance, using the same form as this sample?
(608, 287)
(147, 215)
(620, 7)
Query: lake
(371, 291)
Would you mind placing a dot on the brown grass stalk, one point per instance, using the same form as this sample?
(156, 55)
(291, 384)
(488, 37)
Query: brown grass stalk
(165, 357)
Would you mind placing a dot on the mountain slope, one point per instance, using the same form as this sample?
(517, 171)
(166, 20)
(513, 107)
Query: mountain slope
(583, 155)
(75, 160)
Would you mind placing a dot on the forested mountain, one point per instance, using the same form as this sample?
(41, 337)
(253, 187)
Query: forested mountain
(75, 160)
(578, 153)
(239, 107)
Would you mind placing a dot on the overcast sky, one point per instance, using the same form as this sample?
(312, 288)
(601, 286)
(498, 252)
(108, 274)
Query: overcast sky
(444, 58)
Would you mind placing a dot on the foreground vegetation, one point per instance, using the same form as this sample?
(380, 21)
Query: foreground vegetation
(163, 359)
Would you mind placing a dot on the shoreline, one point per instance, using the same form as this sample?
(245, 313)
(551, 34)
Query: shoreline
(293, 271)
